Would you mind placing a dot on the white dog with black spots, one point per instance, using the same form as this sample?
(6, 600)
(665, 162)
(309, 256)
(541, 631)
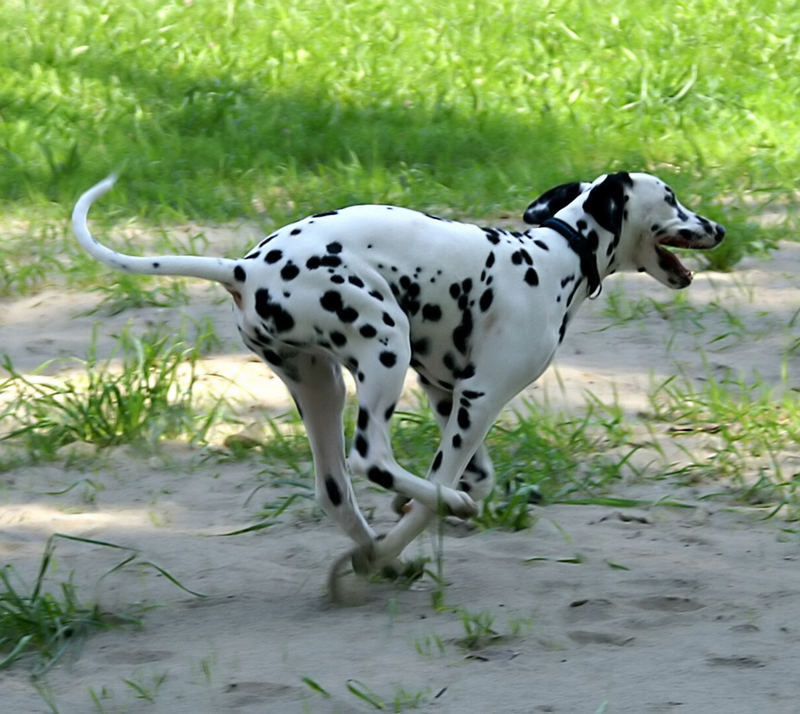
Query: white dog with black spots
(477, 312)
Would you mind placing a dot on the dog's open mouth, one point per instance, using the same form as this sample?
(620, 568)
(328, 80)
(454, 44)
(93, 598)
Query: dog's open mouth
(669, 261)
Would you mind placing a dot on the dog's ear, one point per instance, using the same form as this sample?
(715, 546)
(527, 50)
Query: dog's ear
(606, 201)
(552, 201)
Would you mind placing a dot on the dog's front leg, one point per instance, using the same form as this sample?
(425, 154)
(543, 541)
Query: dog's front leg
(473, 414)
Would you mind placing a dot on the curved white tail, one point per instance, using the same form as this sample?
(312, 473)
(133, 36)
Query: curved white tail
(217, 269)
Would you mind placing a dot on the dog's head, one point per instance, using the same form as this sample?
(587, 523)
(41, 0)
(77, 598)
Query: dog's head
(644, 217)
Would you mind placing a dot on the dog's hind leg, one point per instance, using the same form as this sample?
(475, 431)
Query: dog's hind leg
(318, 390)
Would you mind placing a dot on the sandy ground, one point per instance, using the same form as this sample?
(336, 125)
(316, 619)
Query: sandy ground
(662, 610)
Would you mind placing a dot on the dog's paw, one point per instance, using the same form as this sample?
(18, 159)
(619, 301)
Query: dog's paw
(363, 559)
(400, 504)
(459, 503)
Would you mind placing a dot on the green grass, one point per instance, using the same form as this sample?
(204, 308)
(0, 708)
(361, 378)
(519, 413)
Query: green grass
(218, 111)
(222, 111)
(741, 436)
(540, 455)
(148, 397)
(40, 624)
(730, 432)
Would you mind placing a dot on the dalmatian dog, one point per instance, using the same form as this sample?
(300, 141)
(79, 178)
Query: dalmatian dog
(477, 312)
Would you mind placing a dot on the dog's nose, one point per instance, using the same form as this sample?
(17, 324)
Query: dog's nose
(719, 233)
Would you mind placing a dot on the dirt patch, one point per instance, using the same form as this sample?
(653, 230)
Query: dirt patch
(597, 609)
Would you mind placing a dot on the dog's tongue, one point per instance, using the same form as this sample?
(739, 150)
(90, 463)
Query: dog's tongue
(669, 261)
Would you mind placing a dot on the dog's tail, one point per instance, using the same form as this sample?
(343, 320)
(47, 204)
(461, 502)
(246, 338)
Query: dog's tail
(221, 270)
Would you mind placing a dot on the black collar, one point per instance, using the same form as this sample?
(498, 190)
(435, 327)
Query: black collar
(581, 246)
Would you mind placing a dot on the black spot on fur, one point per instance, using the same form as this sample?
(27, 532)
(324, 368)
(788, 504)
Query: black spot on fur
(388, 413)
(363, 418)
(437, 461)
(355, 280)
(421, 347)
(605, 202)
(387, 319)
(260, 337)
(273, 256)
(493, 235)
(486, 300)
(361, 446)
(347, 314)
(463, 418)
(239, 274)
(332, 489)
(461, 334)
(253, 255)
(331, 301)
(296, 231)
(338, 339)
(326, 213)
(368, 331)
(431, 312)
(457, 441)
(472, 394)
(272, 357)
(273, 312)
(290, 271)
(381, 477)
(444, 407)
(531, 277)
(334, 247)
(388, 359)
(563, 329)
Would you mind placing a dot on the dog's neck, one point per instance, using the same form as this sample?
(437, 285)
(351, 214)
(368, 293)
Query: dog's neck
(584, 249)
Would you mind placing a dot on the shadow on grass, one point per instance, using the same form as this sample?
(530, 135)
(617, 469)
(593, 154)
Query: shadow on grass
(216, 148)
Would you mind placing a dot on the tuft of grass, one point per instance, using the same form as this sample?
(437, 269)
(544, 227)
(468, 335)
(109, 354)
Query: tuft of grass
(148, 397)
(35, 622)
(542, 456)
(478, 629)
(365, 694)
(146, 690)
(742, 434)
(315, 687)
(128, 292)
